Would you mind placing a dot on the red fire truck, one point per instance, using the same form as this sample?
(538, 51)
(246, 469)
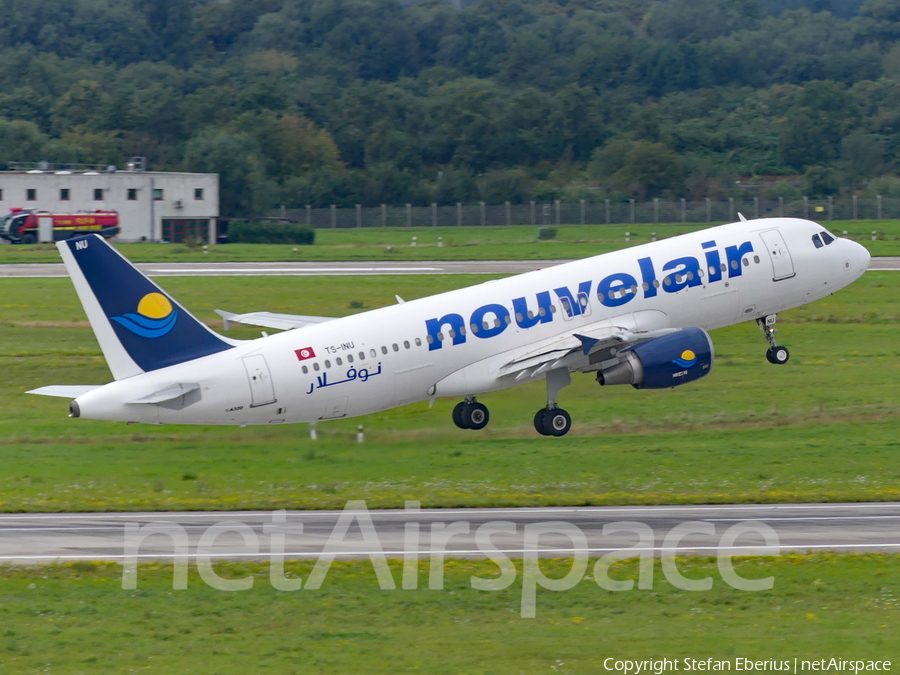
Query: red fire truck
(21, 226)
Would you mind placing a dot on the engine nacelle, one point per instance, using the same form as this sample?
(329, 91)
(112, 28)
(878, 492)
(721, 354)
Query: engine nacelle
(663, 362)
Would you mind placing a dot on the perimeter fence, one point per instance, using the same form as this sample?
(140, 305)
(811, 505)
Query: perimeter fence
(589, 213)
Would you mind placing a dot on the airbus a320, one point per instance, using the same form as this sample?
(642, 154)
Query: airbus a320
(638, 317)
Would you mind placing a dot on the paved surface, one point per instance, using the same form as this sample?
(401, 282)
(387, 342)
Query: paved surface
(311, 269)
(800, 527)
(300, 269)
(880, 264)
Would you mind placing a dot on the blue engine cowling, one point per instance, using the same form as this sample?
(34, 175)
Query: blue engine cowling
(663, 362)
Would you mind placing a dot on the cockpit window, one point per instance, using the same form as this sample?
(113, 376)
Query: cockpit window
(827, 238)
(817, 241)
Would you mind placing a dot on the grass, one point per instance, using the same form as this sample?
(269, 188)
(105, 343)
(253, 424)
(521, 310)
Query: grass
(822, 428)
(75, 618)
(459, 243)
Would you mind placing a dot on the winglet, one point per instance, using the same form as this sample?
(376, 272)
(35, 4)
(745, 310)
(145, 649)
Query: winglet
(587, 343)
(226, 318)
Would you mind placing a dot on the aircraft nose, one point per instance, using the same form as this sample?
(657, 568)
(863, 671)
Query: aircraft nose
(859, 257)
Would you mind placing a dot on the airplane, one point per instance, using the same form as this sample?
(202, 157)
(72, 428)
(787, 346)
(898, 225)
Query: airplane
(637, 316)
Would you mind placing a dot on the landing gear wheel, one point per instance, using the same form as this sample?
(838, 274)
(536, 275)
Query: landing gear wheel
(552, 422)
(471, 415)
(778, 355)
(539, 422)
(775, 354)
(458, 415)
(475, 415)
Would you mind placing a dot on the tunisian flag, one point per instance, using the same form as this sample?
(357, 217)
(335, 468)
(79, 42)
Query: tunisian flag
(305, 353)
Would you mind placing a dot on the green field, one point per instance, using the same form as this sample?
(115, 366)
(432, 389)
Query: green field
(459, 243)
(824, 427)
(77, 619)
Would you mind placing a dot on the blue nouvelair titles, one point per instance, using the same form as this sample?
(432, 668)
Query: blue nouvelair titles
(613, 291)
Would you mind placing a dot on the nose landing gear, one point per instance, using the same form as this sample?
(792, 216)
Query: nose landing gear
(775, 354)
(470, 414)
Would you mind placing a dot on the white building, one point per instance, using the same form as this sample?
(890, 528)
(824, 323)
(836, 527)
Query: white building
(152, 205)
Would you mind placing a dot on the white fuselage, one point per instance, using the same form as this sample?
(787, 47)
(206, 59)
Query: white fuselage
(406, 352)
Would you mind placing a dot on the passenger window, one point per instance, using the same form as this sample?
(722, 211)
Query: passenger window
(827, 238)
(349, 358)
(373, 353)
(384, 350)
(756, 259)
(406, 344)
(316, 367)
(327, 363)
(362, 356)
(395, 347)
(418, 342)
(817, 241)
(305, 370)
(746, 262)
(338, 360)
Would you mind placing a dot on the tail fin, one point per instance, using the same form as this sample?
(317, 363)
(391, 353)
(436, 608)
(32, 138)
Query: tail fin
(139, 327)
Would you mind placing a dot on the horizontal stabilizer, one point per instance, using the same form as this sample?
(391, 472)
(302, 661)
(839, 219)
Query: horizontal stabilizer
(169, 393)
(271, 319)
(64, 390)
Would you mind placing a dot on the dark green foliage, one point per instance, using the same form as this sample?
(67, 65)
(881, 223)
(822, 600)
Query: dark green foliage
(268, 232)
(346, 102)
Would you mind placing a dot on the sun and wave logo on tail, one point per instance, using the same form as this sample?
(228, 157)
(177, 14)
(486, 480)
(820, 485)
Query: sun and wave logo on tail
(687, 359)
(155, 317)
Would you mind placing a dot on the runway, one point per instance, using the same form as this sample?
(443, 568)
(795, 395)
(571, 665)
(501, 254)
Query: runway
(43, 538)
(300, 269)
(337, 269)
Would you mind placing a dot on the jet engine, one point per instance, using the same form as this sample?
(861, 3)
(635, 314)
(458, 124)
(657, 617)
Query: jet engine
(663, 362)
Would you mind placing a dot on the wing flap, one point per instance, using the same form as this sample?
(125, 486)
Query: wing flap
(271, 319)
(574, 351)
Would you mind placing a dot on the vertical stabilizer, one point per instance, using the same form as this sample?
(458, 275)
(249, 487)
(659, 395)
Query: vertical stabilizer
(138, 325)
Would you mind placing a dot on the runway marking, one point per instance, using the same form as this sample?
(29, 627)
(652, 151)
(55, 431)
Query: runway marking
(100, 528)
(400, 512)
(257, 270)
(448, 552)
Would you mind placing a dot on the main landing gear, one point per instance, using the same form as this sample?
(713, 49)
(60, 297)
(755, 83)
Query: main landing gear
(470, 414)
(775, 354)
(553, 420)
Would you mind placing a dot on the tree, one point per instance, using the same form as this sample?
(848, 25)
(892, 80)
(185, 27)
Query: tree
(20, 141)
(649, 169)
(235, 157)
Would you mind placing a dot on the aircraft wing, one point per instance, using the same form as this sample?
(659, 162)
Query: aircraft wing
(582, 351)
(271, 319)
